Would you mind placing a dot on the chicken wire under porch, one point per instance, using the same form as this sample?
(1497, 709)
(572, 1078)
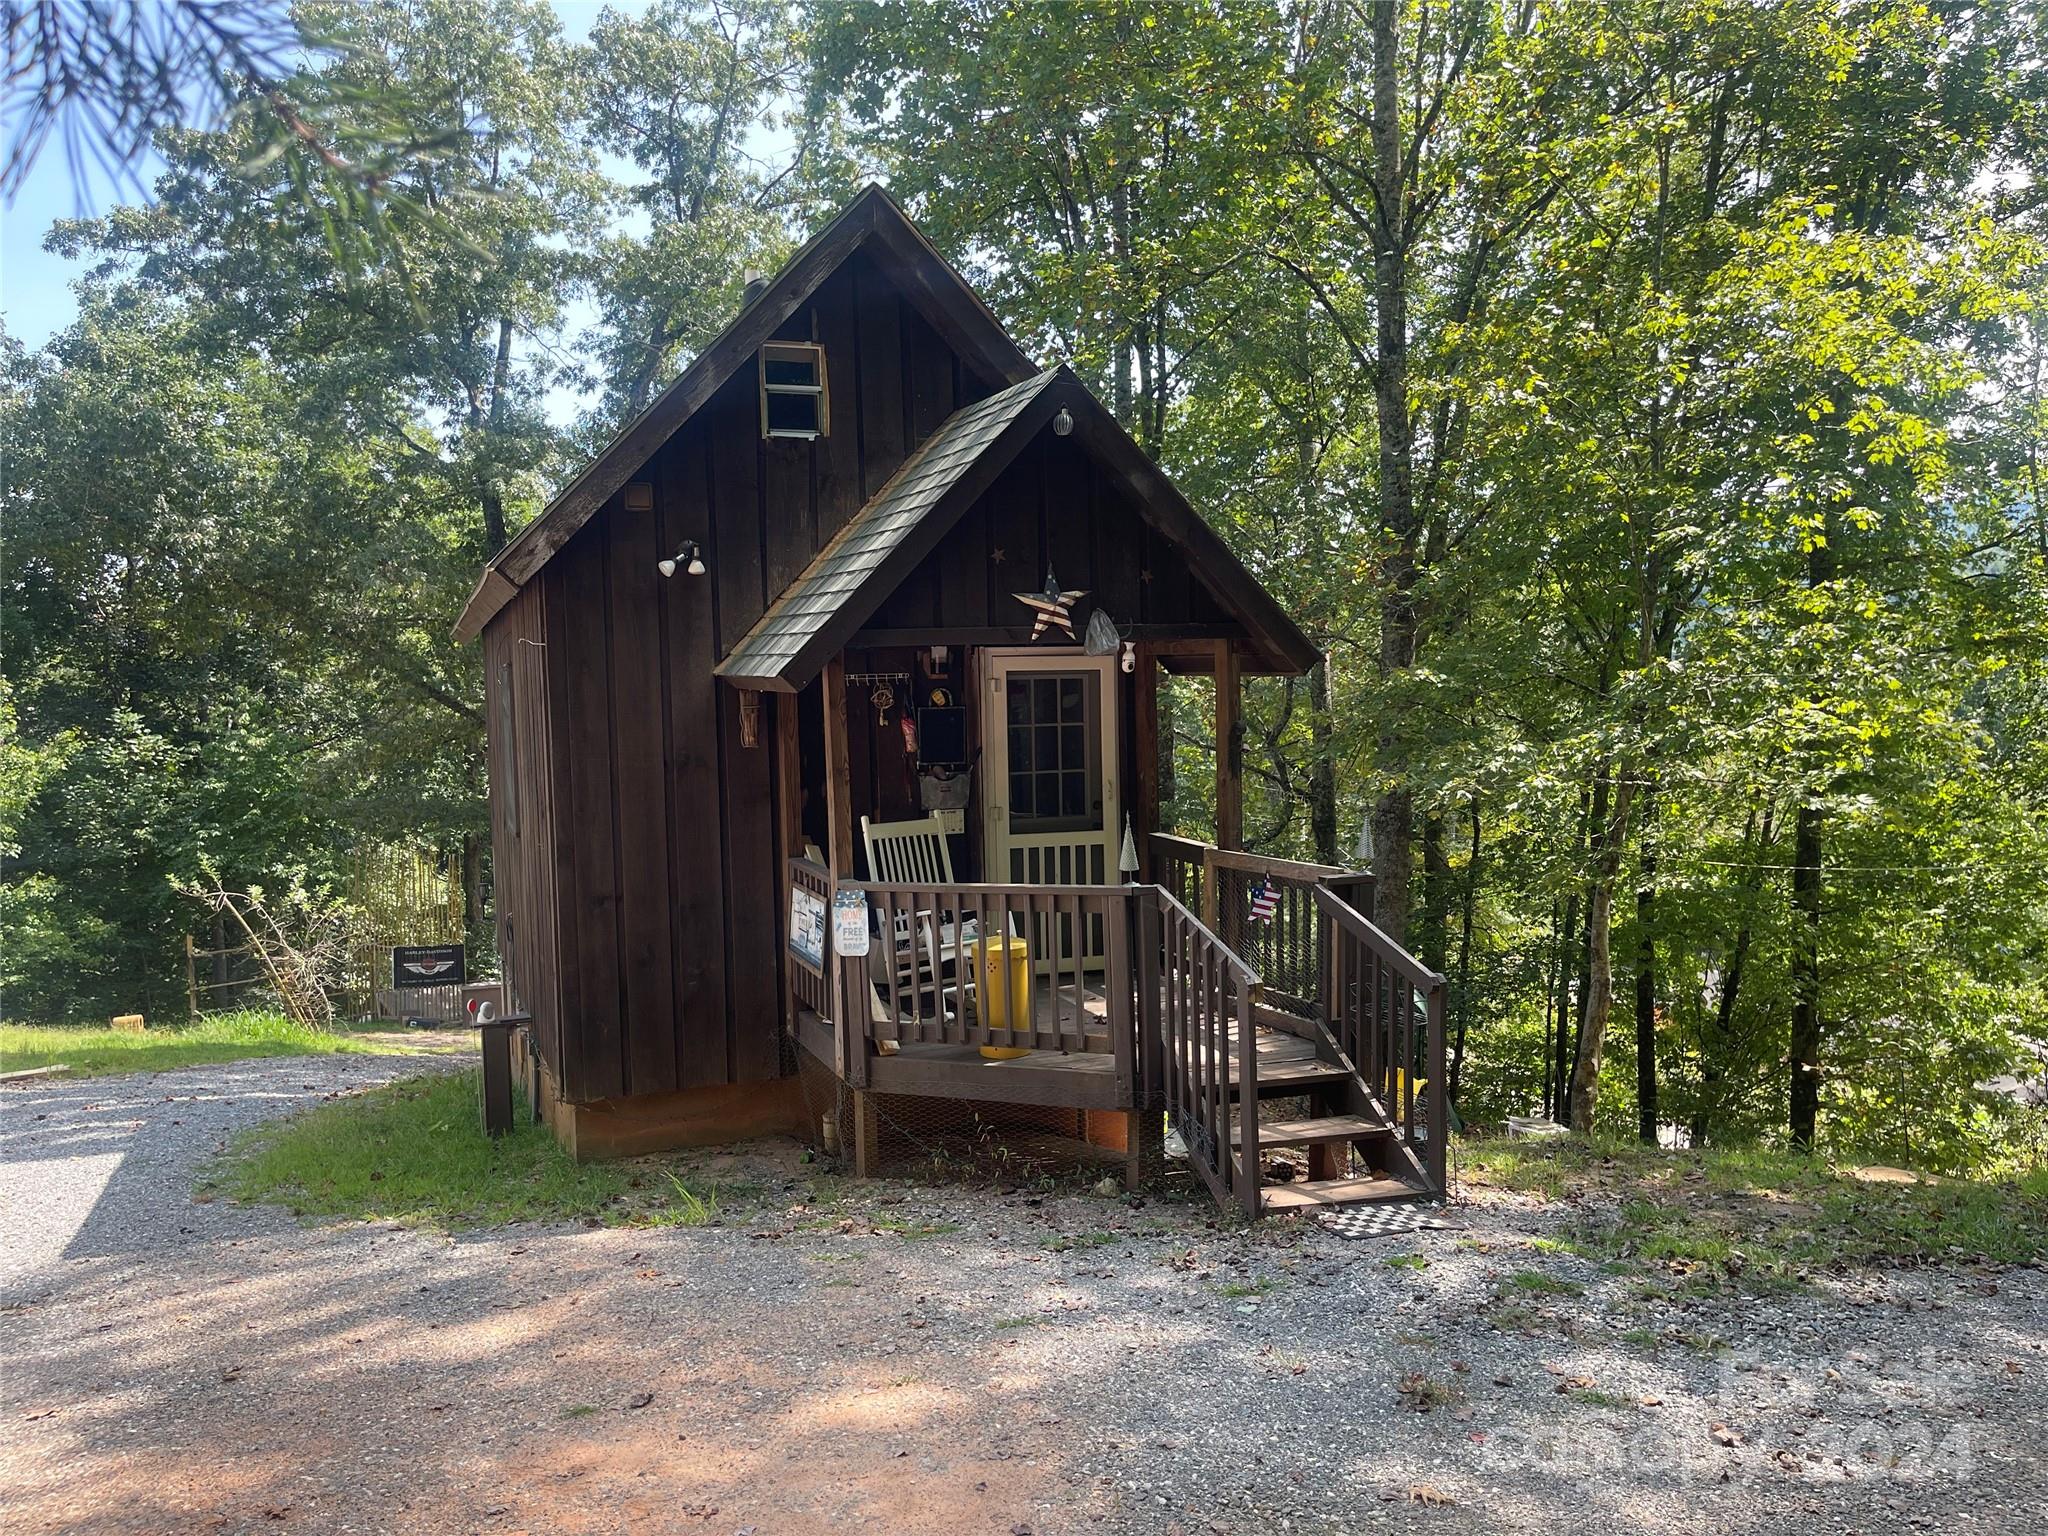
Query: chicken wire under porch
(1011, 1135)
(946, 1112)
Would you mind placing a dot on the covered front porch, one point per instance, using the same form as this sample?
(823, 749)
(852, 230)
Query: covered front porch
(1136, 989)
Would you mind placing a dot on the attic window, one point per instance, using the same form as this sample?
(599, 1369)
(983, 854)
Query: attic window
(793, 398)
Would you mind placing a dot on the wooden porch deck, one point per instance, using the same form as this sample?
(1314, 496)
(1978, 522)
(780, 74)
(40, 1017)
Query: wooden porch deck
(1067, 1079)
(1138, 1007)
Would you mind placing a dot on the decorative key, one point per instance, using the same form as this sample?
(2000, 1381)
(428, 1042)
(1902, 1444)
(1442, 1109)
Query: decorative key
(884, 700)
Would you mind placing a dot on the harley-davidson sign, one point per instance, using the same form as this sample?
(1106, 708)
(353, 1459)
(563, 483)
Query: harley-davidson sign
(427, 965)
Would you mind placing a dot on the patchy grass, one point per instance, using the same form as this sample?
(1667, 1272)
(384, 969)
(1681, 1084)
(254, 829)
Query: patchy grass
(415, 1151)
(1597, 1397)
(1414, 1261)
(1536, 1283)
(219, 1037)
(1237, 1290)
(1757, 1218)
(1423, 1393)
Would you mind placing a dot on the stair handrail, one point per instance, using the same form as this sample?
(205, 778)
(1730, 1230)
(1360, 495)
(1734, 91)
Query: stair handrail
(1431, 985)
(1245, 985)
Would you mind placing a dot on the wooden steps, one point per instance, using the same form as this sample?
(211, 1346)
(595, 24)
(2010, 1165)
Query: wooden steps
(1287, 1078)
(1320, 1130)
(1318, 1194)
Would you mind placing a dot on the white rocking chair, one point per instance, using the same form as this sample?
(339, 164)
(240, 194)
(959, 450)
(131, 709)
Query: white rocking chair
(915, 853)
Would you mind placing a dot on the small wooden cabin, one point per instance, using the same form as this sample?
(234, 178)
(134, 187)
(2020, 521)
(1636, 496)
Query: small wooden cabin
(823, 737)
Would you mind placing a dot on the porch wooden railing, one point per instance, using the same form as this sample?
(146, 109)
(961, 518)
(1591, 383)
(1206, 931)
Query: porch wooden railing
(810, 982)
(1196, 1001)
(1177, 864)
(1285, 948)
(1385, 1010)
(937, 986)
(1135, 972)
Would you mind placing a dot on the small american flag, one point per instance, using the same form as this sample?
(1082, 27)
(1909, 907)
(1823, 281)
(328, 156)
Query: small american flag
(1265, 902)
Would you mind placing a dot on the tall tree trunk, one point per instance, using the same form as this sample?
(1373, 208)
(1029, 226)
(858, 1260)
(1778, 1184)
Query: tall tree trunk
(1393, 817)
(1567, 971)
(1806, 857)
(1582, 996)
(1433, 936)
(1465, 955)
(1646, 983)
(1805, 1054)
(490, 490)
(1585, 1090)
(1554, 970)
(1322, 770)
(472, 889)
(1712, 1052)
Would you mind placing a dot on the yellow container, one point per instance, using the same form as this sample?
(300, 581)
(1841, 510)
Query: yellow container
(1002, 978)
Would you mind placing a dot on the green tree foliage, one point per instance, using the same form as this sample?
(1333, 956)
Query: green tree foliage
(1642, 403)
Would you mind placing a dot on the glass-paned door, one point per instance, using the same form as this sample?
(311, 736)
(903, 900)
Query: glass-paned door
(1051, 793)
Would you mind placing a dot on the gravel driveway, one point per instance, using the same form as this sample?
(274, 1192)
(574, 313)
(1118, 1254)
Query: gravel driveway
(937, 1361)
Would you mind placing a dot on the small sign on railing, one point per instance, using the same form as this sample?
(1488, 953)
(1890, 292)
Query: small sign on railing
(807, 926)
(850, 923)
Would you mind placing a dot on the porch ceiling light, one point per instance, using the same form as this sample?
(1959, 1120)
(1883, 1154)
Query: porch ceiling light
(689, 557)
(1063, 423)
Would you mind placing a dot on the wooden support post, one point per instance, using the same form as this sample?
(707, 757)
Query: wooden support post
(867, 1149)
(849, 1000)
(789, 834)
(497, 1076)
(838, 774)
(191, 982)
(1436, 1155)
(1145, 757)
(1229, 751)
(789, 776)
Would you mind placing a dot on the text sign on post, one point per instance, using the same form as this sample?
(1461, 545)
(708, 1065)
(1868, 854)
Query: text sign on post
(427, 965)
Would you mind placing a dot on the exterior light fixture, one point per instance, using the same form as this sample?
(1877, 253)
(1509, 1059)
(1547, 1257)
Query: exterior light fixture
(689, 557)
(1063, 423)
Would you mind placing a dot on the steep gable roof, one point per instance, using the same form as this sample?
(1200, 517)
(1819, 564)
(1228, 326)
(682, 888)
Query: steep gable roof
(873, 221)
(852, 576)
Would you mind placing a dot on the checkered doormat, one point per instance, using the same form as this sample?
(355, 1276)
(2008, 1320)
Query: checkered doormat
(1380, 1220)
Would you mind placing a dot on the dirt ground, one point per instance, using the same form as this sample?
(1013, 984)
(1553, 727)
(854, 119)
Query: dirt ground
(937, 1361)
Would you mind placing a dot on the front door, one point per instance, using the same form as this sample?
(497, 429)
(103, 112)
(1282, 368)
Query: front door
(1050, 791)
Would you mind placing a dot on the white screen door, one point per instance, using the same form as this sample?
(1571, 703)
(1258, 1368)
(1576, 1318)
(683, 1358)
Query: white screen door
(1050, 789)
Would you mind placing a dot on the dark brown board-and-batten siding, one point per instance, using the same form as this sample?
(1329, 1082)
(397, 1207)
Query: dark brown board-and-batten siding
(660, 880)
(523, 828)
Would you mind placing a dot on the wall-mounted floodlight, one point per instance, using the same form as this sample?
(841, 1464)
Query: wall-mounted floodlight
(689, 557)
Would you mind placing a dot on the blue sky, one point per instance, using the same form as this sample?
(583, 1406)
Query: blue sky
(35, 286)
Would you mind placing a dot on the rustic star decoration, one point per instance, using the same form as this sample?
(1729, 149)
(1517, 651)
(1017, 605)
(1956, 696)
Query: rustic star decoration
(1055, 609)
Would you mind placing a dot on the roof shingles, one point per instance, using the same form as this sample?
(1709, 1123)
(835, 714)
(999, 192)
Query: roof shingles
(843, 567)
